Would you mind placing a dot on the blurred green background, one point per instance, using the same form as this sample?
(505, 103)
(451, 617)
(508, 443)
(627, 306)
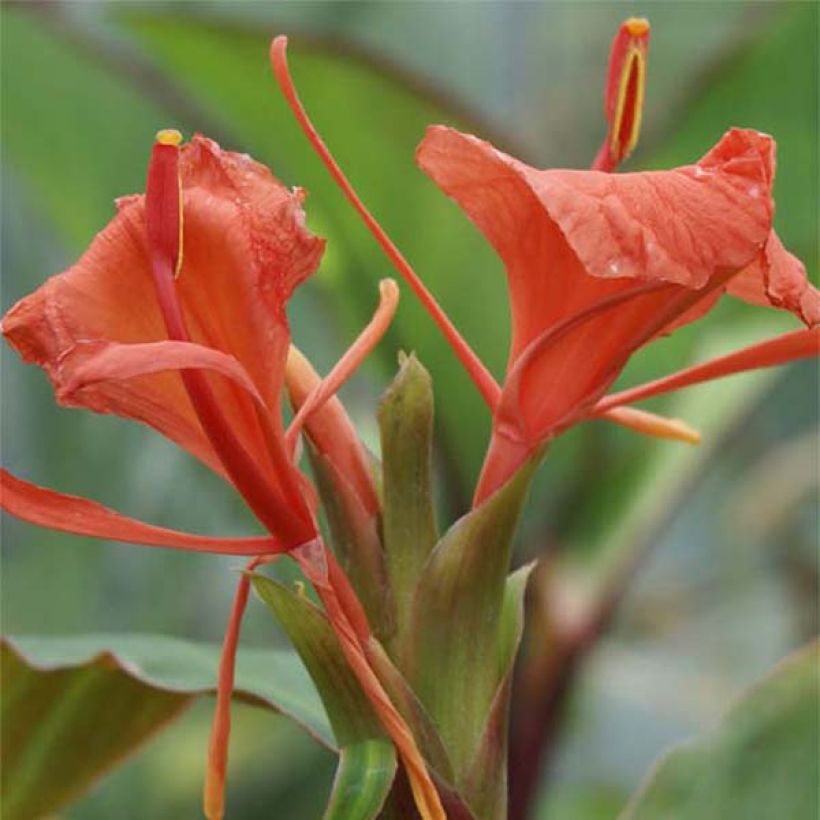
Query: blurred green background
(732, 583)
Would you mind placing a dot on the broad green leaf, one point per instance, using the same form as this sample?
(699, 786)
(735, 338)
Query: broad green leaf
(485, 786)
(313, 638)
(455, 663)
(74, 707)
(363, 780)
(105, 127)
(759, 763)
(409, 525)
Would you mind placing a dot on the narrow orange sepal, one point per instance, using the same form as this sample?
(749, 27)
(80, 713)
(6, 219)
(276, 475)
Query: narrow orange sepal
(213, 798)
(332, 431)
(800, 344)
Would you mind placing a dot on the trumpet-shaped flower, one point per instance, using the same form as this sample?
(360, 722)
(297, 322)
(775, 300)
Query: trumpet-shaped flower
(600, 264)
(175, 317)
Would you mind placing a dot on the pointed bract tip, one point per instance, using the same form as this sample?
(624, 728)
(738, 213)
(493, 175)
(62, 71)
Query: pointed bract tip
(168, 136)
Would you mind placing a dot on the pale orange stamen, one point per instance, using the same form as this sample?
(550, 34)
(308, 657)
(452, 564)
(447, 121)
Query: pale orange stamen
(651, 424)
(482, 377)
(349, 362)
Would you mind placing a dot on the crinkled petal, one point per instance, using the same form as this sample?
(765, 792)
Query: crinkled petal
(69, 513)
(245, 249)
(777, 277)
(572, 238)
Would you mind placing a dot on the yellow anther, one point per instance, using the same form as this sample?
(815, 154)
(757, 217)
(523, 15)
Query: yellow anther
(300, 589)
(169, 136)
(637, 26)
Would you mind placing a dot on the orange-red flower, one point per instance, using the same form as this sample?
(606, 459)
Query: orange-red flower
(599, 264)
(99, 332)
(175, 317)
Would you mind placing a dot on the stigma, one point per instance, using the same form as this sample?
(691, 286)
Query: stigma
(168, 136)
(637, 26)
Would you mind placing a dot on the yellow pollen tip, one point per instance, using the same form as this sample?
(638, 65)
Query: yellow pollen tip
(169, 136)
(637, 26)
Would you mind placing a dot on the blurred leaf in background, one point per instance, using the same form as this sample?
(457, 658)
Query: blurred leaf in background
(84, 88)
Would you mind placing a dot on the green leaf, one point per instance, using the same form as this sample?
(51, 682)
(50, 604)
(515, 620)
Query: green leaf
(409, 525)
(347, 706)
(107, 694)
(760, 762)
(411, 709)
(74, 178)
(485, 787)
(356, 542)
(363, 780)
(459, 640)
